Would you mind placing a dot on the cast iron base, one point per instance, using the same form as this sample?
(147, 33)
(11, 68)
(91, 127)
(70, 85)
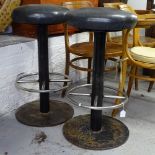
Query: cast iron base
(29, 114)
(113, 134)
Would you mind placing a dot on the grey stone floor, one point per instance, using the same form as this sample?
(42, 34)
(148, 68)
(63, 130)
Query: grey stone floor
(9, 39)
(18, 139)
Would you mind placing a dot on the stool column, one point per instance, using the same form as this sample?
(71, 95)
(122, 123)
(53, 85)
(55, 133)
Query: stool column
(97, 81)
(43, 67)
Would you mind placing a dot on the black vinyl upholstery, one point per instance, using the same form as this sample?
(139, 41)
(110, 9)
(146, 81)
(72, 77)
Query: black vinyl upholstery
(101, 19)
(40, 14)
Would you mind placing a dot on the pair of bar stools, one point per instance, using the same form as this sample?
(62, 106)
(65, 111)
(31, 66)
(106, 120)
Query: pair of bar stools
(93, 131)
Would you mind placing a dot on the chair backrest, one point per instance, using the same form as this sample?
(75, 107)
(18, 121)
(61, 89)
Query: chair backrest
(113, 5)
(126, 7)
(2, 1)
(136, 31)
(77, 4)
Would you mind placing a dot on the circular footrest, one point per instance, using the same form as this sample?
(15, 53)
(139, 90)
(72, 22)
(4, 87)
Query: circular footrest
(33, 78)
(73, 92)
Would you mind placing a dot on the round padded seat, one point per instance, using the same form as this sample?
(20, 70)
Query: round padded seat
(101, 19)
(40, 14)
(143, 54)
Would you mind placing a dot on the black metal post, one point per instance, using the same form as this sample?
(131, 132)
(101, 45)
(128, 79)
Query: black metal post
(43, 67)
(97, 81)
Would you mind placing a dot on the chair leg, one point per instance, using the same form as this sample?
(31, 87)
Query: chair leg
(121, 85)
(89, 72)
(131, 78)
(136, 80)
(66, 73)
(150, 86)
(151, 82)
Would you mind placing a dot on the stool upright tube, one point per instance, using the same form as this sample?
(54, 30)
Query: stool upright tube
(43, 67)
(97, 81)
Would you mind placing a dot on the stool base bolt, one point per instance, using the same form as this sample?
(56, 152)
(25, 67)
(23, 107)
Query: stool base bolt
(113, 134)
(29, 114)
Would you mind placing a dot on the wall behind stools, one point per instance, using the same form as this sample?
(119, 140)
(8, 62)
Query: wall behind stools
(15, 59)
(22, 57)
(140, 5)
(57, 55)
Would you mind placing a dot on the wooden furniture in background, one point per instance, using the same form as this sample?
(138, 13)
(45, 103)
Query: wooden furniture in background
(151, 31)
(140, 56)
(80, 50)
(30, 30)
(6, 9)
(101, 2)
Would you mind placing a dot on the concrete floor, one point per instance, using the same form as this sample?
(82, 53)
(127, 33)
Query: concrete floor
(6, 40)
(19, 139)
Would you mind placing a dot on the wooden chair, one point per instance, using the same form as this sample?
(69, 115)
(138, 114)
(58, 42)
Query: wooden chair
(124, 45)
(143, 40)
(140, 40)
(84, 50)
(140, 56)
(80, 50)
(6, 9)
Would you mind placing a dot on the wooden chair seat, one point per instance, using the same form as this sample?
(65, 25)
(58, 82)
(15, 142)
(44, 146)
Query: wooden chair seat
(85, 49)
(143, 54)
(113, 50)
(82, 49)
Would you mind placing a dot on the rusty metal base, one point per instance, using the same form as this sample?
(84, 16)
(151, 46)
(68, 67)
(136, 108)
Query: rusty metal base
(113, 134)
(29, 114)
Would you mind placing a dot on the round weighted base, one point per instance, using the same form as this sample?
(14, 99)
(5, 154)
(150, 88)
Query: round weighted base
(29, 114)
(113, 134)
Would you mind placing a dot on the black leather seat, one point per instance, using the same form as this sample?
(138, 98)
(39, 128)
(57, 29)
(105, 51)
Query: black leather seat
(39, 14)
(101, 19)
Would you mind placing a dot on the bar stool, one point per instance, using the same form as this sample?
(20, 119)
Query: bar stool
(44, 112)
(97, 131)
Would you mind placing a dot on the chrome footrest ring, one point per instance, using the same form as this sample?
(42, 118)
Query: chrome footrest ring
(71, 93)
(21, 79)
